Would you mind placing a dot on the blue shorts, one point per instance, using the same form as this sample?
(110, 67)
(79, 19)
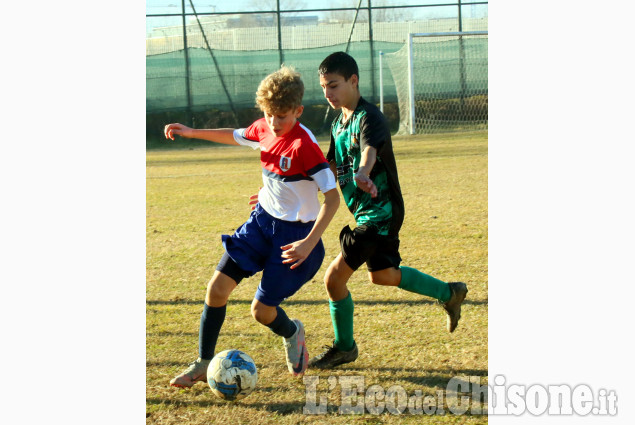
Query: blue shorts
(255, 246)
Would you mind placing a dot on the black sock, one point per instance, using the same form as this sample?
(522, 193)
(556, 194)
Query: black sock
(282, 325)
(211, 321)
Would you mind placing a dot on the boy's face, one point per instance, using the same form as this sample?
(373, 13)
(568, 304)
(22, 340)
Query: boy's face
(283, 122)
(338, 91)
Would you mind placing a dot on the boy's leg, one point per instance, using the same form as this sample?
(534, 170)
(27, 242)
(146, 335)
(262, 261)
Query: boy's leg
(213, 316)
(344, 349)
(412, 280)
(280, 282)
(274, 317)
(292, 332)
(450, 295)
(340, 302)
(357, 246)
(218, 290)
(384, 269)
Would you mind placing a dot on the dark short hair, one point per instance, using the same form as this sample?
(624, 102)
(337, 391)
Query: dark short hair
(339, 63)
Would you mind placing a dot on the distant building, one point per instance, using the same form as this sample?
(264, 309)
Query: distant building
(253, 20)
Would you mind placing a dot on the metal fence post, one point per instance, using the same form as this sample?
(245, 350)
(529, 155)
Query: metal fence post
(190, 117)
(461, 61)
(372, 54)
(280, 54)
(381, 81)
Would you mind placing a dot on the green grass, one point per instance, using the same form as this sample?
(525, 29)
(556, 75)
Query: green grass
(195, 195)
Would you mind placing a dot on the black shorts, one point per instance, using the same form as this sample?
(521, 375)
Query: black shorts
(363, 245)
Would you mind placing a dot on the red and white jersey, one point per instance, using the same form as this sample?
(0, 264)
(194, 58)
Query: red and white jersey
(293, 170)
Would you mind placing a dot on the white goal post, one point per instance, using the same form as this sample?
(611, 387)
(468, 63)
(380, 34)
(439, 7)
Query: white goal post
(445, 86)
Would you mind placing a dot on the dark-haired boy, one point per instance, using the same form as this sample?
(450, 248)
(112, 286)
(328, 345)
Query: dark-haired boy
(361, 156)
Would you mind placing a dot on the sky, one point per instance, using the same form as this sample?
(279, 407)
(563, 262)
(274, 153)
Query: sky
(244, 5)
(207, 6)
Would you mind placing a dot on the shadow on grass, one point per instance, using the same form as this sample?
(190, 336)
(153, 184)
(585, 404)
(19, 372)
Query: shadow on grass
(282, 408)
(317, 302)
(226, 159)
(195, 334)
(470, 372)
(291, 407)
(151, 363)
(288, 408)
(164, 363)
(184, 403)
(438, 378)
(188, 334)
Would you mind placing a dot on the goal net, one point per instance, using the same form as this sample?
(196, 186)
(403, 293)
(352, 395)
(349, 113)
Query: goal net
(441, 82)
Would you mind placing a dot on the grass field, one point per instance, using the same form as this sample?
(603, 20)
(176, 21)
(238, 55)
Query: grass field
(195, 195)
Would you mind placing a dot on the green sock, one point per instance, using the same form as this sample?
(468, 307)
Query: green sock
(415, 281)
(342, 317)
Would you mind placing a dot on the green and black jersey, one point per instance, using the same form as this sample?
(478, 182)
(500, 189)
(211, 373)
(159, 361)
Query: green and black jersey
(367, 126)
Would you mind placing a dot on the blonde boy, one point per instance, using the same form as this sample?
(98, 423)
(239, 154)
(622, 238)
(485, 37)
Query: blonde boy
(281, 238)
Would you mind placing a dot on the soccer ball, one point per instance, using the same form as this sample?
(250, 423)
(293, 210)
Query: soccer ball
(232, 375)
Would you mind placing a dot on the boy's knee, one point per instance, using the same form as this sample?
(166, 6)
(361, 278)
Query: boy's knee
(386, 277)
(218, 293)
(335, 288)
(375, 279)
(257, 314)
(331, 281)
(262, 314)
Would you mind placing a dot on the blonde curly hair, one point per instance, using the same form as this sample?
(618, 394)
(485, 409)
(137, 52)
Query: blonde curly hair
(280, 91)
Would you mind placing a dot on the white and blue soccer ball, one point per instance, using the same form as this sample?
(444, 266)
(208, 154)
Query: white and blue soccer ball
(232, 375)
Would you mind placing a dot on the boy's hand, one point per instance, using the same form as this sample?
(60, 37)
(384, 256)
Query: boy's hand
(366, 184)
(179, 129)
(253, 200)
(296, 252)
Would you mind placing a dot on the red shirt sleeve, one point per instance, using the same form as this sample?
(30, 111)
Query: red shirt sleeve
(254, 131)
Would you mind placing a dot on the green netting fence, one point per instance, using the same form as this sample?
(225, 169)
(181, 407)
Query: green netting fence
(243, 70)
(200, 64)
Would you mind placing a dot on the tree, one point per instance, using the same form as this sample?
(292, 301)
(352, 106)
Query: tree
(273, 5)
(379, 15)
(387, 15)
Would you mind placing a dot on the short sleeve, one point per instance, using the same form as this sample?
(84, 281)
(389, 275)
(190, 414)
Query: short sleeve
(324, 179)
(374, 131)
(249, 136)
(330, 156)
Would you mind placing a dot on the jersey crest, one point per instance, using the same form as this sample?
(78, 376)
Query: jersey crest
(285, 163)
(354, 141)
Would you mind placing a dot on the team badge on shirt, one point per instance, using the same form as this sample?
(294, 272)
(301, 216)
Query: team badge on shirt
(285, 163)
(355, 141)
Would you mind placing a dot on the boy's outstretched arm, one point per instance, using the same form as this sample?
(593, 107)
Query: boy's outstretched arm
(298, 251)
(369, 157)
(218, 135)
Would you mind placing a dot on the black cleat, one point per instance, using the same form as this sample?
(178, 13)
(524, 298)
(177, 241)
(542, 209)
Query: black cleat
(453, 306)
(332, 357)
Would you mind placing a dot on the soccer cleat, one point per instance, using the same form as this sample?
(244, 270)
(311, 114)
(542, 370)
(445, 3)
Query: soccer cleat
(296, 351)
(196, 372)
(453, 306)
(332, 357)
